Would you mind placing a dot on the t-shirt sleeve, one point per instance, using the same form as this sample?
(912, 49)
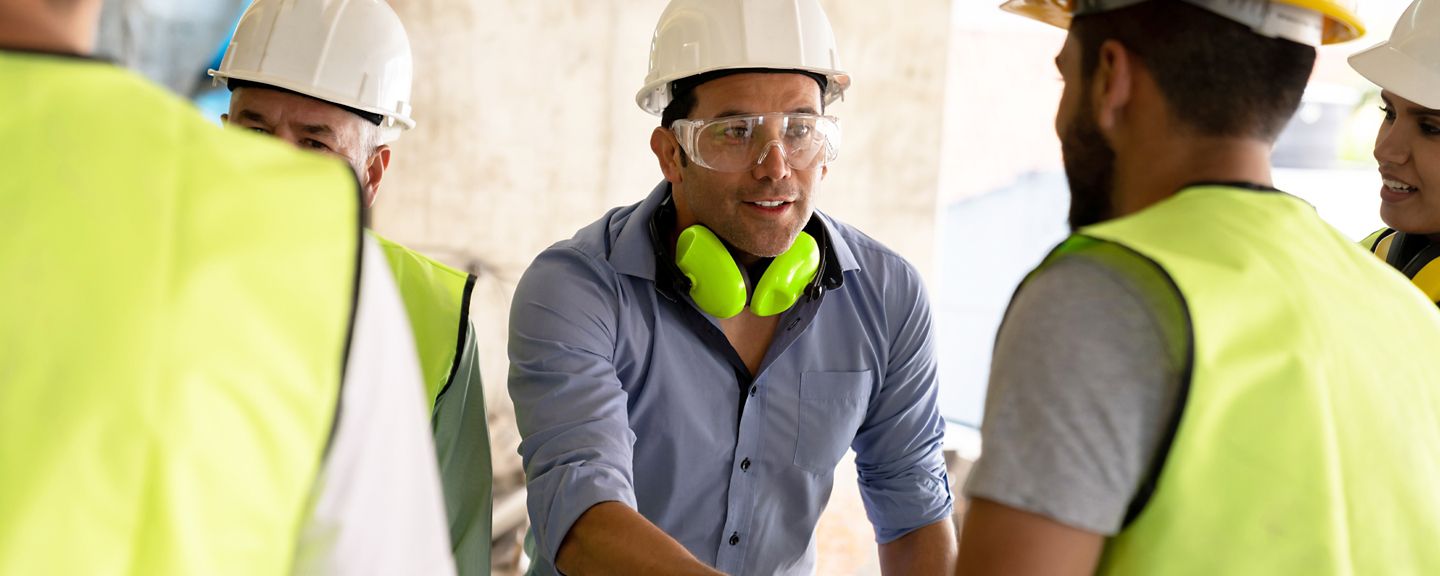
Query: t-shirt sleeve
(1088, 370)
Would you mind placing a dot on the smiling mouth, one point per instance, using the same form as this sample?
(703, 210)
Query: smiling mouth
(1399, 186)
(769, 203)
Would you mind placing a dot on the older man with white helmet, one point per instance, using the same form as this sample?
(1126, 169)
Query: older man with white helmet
(334, 77)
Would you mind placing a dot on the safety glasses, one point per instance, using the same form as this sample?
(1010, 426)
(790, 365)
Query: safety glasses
(739, 143)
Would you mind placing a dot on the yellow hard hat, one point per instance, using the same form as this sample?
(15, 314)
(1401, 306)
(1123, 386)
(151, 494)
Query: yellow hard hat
(1333, 22)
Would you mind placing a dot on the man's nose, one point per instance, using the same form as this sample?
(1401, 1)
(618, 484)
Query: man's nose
(772, 162)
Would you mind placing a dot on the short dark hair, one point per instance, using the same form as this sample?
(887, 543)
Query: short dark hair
(682, 91)
(1219, 77)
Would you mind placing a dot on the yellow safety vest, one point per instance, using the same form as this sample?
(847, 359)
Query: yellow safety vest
(173, 327)
(1423, 268)
(1306, 445)
(437, 300)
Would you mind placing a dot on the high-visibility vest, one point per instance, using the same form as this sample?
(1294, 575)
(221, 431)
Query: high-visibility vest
(174, 319)
(437, 300)
(1305, 444)
(1423, 267)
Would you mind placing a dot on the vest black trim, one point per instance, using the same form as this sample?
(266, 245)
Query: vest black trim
(460, 332)
(1145, 490)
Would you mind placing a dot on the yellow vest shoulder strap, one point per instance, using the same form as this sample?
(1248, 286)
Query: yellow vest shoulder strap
(437, 300)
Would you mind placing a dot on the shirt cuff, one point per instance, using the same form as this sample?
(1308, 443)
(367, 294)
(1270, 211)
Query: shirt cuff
(899, 506)
(558, 499)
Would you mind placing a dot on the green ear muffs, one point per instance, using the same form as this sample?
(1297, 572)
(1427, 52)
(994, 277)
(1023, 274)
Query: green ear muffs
(718, 288)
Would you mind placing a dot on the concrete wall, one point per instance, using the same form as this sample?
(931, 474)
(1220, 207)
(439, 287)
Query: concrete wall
(528, 130)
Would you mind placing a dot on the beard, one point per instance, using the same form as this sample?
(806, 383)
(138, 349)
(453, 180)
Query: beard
(1090, 169)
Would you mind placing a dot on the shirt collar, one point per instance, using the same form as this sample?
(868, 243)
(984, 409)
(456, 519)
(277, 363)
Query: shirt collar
(634, 254)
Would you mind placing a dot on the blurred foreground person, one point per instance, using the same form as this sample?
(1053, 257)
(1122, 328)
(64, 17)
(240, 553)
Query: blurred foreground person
(204, 367)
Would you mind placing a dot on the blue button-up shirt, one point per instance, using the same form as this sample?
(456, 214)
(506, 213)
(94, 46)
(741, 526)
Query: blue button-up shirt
(625, 391)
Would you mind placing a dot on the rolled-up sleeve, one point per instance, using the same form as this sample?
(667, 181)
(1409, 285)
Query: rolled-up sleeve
(577, 444)
(898, 447)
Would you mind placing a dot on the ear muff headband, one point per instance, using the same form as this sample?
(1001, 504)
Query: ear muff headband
(1424, 271)
(718, 288)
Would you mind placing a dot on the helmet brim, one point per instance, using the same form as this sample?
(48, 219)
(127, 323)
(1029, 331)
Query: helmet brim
(1400, 74)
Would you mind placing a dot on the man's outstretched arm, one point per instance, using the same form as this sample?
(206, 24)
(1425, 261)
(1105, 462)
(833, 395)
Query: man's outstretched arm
(926, 551)
(1003, 540)
(612, 538)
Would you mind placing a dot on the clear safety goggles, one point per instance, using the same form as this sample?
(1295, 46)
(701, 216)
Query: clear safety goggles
(739, 143)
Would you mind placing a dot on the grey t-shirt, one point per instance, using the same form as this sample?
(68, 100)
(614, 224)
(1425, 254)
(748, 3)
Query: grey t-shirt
(1089, 368)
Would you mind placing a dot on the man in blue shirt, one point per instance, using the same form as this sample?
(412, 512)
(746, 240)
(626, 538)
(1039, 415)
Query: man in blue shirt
(664, 435)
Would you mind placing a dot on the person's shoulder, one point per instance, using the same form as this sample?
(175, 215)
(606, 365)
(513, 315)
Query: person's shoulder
(585, 255)
(1104, 265)
(594, 242)
(1095, 283)
(396, 252)
(1372, 242)
(866, 252)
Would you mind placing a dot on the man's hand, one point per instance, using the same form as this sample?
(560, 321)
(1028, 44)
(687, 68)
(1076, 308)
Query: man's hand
(926, 551)
(999, 539)
(612, 538)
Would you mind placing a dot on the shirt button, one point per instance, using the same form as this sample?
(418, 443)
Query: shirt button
(734, 538)
(753, 390)
(745, 464)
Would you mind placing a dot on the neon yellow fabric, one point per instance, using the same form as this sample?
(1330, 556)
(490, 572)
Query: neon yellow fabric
(173, 322)
(1306, 445)
(434, 296)
(716, 285)
(785, 280)
(1372, 242)
(718, 288)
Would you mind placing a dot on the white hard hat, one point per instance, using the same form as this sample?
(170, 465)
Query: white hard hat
(1312, 22)
(353, 53)
(1408, 64)
(699, 36)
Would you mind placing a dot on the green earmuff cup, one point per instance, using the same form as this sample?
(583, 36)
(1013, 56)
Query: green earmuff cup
(718, 288)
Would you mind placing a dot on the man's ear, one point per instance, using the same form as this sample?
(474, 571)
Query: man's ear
(668, 152)
(375, 172)
(1112, 84)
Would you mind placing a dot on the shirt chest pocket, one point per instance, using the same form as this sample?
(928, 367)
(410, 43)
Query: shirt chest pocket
(831, 408)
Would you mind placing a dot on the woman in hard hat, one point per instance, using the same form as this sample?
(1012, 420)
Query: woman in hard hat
(1407, 69)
